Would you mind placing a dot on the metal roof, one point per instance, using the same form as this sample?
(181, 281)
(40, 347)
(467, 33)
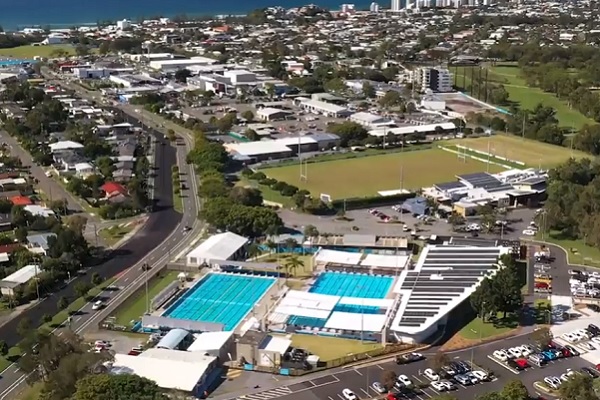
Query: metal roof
(444, 277)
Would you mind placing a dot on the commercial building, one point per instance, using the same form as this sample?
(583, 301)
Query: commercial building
(284, 147)
(324, 108)
(433, 79)
(369, 120)
(18, 278)
(267, 114)
(427, 129)
(220, 247)
(174, 65)
(191, 372)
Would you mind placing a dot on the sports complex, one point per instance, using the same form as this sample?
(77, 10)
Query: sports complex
(364, 176)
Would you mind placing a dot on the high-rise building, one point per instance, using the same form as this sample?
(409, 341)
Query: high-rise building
(374, 8)
(435, 79)
(397, 5)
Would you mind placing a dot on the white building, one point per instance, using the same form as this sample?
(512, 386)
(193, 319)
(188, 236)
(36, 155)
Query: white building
(18, 278)
(434, 79)
(190, 372)
(374, 8)
(123, 24)
(174, 65)
(223, 246)
(324, 108)
(442, 279)
(368, 120)
(396, 6)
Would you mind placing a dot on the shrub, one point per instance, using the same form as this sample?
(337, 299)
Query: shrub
(279, 186)
(258, 176)
(289, 190)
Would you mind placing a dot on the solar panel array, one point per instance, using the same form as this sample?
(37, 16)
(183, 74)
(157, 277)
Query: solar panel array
(446, 275)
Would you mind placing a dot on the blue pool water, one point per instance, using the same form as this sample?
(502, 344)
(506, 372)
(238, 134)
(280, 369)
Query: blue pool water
(352, 285)
(347, 285)
(220, 298)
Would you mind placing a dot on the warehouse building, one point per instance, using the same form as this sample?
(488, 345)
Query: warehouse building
(283, 147)
(323, 108)
(223, 246)
(17, 279)
(174, 65)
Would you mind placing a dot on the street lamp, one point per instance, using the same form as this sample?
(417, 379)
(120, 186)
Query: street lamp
(473, 348)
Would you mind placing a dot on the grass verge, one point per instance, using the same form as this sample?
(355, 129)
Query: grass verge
(135, 306)
(477, 329)
(303, 271)
(115, 233)
(577, 251)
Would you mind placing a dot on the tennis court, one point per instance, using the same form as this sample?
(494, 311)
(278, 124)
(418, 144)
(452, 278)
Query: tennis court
(220, 298)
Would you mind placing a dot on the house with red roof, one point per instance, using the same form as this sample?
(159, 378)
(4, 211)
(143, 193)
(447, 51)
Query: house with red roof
(114, 192)
(21, 201)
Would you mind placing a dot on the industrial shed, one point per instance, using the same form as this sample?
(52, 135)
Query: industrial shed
(223, 246)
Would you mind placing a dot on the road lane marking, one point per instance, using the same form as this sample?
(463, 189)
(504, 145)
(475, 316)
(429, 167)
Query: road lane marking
(330, 398)
(417, 378)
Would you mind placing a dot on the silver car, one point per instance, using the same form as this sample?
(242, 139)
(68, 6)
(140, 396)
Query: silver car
(378, 387)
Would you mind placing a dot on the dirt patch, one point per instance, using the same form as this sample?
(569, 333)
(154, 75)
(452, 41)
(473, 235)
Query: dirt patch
(457, 342)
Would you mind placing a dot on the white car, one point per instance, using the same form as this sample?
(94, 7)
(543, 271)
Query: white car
(98, 305)
(431, 374)
(378, 387)
(102, 343)
(552, 381)
(403, 379)
(349, 394)
(439, 386)
(481, 375)
(526, 350)
(529, 232)
(515, 352)
(500, 355)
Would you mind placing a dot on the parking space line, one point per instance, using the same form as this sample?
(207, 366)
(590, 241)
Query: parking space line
(426, 394)
(340, 396)
(358, 372)
(380, 367)
(417, 378)
(330, 398)
(365, 392)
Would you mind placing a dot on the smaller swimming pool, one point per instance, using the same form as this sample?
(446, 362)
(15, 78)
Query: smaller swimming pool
(13, 62)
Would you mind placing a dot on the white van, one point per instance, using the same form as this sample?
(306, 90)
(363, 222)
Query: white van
(97, 305)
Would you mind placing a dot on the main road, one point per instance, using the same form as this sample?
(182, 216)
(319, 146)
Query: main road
(164, 235)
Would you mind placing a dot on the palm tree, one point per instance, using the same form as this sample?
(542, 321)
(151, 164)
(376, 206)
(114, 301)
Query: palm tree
(290, 244)
(292, 264)
(253, 251)
(271, 245)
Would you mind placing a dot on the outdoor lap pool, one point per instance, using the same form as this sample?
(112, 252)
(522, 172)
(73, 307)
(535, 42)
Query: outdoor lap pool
(220, 298)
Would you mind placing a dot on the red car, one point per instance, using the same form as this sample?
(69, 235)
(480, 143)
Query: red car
(566, 352)
(521, 362)
(598, 367)
(134, 353)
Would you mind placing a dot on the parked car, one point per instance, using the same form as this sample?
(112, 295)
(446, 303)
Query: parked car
(431, 374)
(378, 387)
(403, 379)
(349, 394)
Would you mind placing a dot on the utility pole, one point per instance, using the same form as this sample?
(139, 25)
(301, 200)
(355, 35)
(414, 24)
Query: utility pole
(146, 268)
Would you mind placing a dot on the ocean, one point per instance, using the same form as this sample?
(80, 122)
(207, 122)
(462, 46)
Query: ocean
(17, 14)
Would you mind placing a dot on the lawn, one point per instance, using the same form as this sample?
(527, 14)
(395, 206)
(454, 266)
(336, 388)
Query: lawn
(531, 152)
(301, 272)
(29, 52)
(115, 233)
(477, 329)
(135, 306)
(269, 194)
(527, 97)
(331, 348)
(365, 176)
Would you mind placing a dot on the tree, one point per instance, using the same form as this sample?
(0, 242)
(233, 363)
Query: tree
(252, 135)
(24, 327)
(292, 264)
(82, 288)
(3, 348)
(390, 99)
(367, 90)
(117, 387)
(506, 287)
(350, 133)
(104, 48)
(311, 231)
(541, 336)
(456, 219)
(21, 234)
(515, 390)
(181, 75)
(578, 387)
(77, 223)
(248, 115)
(96, 279)
(270, 90)
(62, 303)
(171, 135)
(46, 318)
(253, 251)
(246, 196)
(389, 378)
(439, 360)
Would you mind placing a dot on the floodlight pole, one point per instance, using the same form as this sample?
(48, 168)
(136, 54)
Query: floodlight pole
(147, 294)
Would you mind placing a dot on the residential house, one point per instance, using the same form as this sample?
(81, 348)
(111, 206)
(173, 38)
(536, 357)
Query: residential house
(20, 200)
(123, 171)
(39, 211)
(6, 250)
(38, 243)
(84, 170)
(64, 145)
(114, 192)
(66, 161)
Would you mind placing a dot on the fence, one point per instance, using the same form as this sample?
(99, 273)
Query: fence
(165, 295)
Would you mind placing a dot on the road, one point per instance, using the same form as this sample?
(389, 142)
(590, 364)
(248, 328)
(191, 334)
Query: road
(163, 236)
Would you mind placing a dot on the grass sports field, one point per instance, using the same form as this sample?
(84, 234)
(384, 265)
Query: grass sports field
(526, 96)
(28, 52)
(528, 151)
(365, 176)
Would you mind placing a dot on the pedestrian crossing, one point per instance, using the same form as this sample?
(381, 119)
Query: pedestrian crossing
(268, 394)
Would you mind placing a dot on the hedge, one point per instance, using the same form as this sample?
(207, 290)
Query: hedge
(375, 201)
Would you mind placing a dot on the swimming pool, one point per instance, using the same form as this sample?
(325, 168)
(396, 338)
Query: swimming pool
(220, 298)
(345, 284)
(12, 62)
